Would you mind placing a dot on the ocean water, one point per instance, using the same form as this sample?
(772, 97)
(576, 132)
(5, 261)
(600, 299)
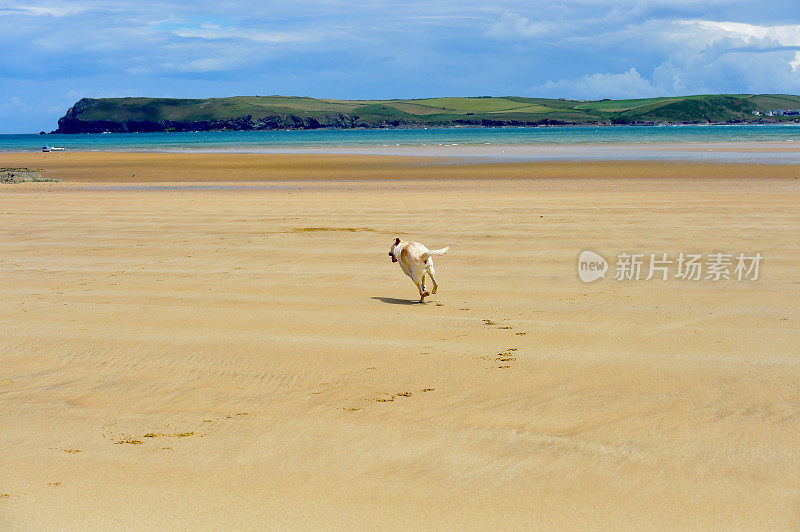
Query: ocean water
(623, 142)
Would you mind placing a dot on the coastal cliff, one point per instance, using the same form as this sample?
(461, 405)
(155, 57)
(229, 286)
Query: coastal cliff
(97, 115)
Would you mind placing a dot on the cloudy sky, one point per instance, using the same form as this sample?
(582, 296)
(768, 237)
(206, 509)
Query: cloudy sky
(54, 52)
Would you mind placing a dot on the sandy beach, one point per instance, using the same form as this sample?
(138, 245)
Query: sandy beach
(250, 357)
(429, 164)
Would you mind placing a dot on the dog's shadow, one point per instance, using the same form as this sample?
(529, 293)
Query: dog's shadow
(395, 301)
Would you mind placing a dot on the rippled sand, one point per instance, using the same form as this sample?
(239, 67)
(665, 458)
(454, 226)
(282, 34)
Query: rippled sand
(251, 358)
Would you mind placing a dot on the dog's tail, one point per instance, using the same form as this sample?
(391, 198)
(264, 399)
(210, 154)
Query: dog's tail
(432, 252)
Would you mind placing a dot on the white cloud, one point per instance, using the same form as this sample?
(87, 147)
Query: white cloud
(669, 79)
(61, 10)
(629, 84)
(512, 25)
(712, 31)
(692, 56)
(794, 63)
(214, 32)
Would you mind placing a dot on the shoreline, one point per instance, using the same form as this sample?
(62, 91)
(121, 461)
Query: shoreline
(779, 152)
(641, 151)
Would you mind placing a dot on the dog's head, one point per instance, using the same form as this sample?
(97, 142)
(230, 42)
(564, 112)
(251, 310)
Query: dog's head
(392, 250)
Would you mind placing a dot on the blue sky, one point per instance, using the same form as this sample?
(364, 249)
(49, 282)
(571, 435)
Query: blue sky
(54, 52)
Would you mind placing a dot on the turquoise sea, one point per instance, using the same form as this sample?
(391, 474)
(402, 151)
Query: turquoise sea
(551, 142)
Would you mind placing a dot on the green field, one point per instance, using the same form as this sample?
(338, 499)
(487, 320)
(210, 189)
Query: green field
(292, 112)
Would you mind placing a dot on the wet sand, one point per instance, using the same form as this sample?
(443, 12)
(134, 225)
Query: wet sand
(250, 357)
(132, 168)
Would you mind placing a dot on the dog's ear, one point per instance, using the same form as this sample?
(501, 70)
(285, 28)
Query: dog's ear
(396, 241)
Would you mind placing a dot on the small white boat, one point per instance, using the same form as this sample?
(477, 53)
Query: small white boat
(53, 148)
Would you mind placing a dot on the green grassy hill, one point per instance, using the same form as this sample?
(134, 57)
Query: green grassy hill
(290, 112)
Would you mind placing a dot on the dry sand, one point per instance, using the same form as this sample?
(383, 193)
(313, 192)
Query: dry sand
(251, 358)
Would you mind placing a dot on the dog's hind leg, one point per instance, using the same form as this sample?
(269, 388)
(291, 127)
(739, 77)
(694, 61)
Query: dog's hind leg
(419, 280)
(432, 274)
(422, 293)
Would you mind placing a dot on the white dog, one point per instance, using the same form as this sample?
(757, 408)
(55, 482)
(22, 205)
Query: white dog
(416, 260)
